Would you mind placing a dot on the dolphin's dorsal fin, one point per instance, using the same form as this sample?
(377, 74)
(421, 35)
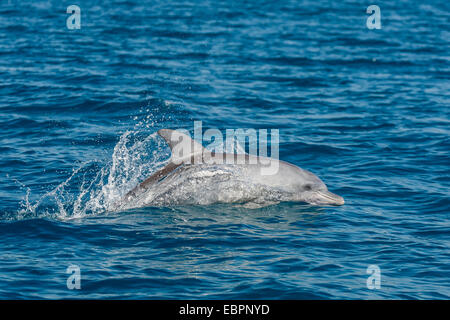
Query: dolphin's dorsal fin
(183, 147)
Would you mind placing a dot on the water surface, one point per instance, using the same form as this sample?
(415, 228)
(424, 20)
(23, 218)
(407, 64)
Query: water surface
(366, 110)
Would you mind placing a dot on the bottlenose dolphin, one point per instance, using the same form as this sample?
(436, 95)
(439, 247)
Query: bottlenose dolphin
(195, 175)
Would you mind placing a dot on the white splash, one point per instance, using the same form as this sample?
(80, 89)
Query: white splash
(98, 186)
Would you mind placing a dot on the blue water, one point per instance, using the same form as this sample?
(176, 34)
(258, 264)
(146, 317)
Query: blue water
(368, 111)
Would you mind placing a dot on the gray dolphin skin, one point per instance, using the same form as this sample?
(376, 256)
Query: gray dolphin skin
(195, 175)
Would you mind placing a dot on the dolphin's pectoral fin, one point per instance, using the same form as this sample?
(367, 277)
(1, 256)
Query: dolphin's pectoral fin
(257, 205)
(159, 175)
(153, 179)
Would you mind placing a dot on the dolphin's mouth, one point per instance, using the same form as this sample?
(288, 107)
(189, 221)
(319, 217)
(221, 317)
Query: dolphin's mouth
(327, 197)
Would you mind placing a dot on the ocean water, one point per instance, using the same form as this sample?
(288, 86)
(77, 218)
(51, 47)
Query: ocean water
(368, 111)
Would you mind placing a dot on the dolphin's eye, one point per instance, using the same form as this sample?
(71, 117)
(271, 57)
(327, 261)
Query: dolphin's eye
(307, 187)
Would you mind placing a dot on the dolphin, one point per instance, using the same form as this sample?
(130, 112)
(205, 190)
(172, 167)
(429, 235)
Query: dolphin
(195, 175)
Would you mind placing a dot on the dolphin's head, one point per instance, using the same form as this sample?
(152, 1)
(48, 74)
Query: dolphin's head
(312, 190)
